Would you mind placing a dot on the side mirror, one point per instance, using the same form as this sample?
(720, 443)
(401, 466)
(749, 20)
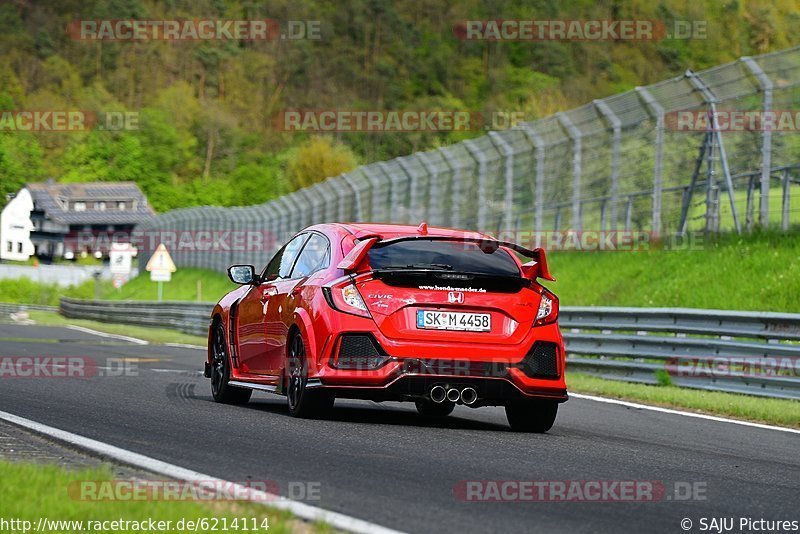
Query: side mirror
(242, 274)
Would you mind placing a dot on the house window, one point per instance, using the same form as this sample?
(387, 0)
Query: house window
(19, 247)
(79, 206)
(9, 246)
(121, 206)
(100, 206)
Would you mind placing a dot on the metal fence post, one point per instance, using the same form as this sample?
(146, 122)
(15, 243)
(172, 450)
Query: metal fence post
(508, 171)
(629, 214)
(479, 156)
(538, 214)
(574, 134)
(434, 190)
(616, 126)
(785, 205)
(341, 195)
(658, 166)
(456, 211)
(716, 138)
(604, 216)
(766, 140)
(749, 205)
(293, 220)
(305, 207)
(377, 201)
(413, 185)
(394, 192)
(356, 194)
(283, 218)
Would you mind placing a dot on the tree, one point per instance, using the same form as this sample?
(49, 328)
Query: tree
(20, 162)
(316, 159)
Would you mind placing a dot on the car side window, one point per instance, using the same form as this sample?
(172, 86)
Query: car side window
(316, 255)
(281, 265)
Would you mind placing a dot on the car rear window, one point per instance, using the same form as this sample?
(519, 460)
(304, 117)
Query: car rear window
(457, 256)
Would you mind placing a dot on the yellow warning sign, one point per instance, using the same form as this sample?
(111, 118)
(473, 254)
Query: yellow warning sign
(161, 261)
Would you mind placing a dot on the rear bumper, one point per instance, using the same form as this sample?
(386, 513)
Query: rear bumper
(406, 387)
(497, 372)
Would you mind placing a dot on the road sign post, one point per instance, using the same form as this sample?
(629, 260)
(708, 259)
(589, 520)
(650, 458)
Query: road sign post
(161, 268)
(120, 259)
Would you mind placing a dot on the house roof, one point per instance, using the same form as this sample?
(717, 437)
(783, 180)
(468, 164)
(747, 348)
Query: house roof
(55, 200)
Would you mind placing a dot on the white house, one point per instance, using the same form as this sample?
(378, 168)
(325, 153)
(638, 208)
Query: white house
(52, 220)
(15, 228)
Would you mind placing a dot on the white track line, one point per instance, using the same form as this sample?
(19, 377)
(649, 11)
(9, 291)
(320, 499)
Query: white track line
(85, 330)
(185, 346)
(299, 509)
(685, 414)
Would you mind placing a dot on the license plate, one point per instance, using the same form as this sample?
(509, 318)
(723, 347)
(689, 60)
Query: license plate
(461, 321)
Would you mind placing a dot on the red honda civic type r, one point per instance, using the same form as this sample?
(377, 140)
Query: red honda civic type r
(393, 313)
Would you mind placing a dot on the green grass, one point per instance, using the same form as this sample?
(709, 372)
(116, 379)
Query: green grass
(153, 335)
(750, 408)
(183, 286)
(26, 291)
(757, 272)
(213, 285)
(30, 492)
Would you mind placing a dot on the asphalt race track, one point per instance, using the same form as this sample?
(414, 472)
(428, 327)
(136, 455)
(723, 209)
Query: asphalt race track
(386, 464)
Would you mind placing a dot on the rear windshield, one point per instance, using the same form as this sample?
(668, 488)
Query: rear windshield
(455, 256)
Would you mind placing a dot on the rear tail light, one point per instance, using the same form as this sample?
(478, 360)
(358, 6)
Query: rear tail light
(344, 297)
(548, 309)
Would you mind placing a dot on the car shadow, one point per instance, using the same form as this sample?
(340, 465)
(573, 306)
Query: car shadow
(364, 412)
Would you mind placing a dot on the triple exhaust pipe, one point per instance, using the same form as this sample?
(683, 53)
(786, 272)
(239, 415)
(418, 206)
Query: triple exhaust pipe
(467, 395)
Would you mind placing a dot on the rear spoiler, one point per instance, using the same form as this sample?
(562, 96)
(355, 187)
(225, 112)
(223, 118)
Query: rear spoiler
(357, 254)
(533, 269)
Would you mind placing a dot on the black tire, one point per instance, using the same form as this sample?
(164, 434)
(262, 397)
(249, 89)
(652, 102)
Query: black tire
(428, 408)
(303, 402)
(532, 416)
(221, 372)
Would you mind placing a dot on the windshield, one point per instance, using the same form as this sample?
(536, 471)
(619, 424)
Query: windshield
(442, 255)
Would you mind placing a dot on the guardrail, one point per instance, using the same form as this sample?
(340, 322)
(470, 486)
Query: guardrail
(756, 353)
(736, 351)
(10, 307)
(188, 317)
